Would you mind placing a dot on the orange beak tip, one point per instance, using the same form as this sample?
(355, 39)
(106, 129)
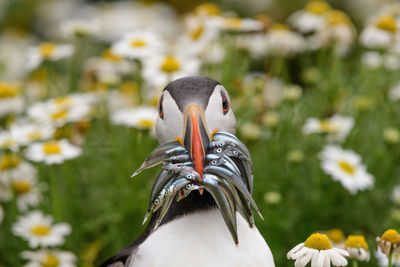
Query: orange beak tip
(201, 191)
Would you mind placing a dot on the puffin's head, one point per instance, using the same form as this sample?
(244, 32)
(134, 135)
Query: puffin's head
(192, 108)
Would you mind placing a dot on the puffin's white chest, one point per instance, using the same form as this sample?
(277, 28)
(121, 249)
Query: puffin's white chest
(202, 239)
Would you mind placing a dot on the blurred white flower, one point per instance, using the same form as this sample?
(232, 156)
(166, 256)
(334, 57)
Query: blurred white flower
(251, 130)
(49, 258)
(292, 92)
(8, 142)
(383, 259)
(357, 248)
(78, 27)
(23, 183)
(396, 194)
(295, 156)
(138, 45)
(394, 93)
(38, 229)
(273, 91)
(381, 33)
(346, 167)
(317, 249)
(109, 68)
(141, 117)
(52, 152)
(391, 135)
(11, 101)
(255, 44)
(159, 70)
(372, 60)
(29, 132)
(281, 41)
(47, 51)
(272, 197)
(311, 18)
(391, 61)
(337, 127)
(239, 24)
(62, 110)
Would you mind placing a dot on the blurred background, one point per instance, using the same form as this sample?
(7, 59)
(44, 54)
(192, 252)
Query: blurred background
(314, 86)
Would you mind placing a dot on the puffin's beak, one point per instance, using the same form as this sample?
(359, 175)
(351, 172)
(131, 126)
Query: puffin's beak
(195, 137)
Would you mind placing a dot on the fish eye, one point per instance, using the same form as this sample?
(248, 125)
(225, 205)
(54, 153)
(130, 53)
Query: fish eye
(156, 201)
(188, 186)
(189, 176)
(173, 158)
(225, 103)
(213, 162)
(235, 152)
(219, 150)
(221, 143)
(160, 107)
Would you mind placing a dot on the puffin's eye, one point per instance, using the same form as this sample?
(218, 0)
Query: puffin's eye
(160, 107)
(225, 103)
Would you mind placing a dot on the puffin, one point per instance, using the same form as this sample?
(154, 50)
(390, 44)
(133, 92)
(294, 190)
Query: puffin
(193, 232)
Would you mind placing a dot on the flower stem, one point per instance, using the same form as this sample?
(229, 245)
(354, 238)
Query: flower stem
(390, 258)
(355, 263)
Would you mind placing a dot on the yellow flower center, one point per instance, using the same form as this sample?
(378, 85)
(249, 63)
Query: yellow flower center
(59, 114)
(46, 50)
(317, 7)
(196, 33)
(41, 230)
(391, 236)
(138, 43)
(387, 22)
(146, 123)
(335, 235)
(108, 55)
(280, 27)
(9, 89)
(50, 261)
(62, 101)
(34, 136)
(21, 187)
(318, 241)
(9, 162)
(207, 9)
(233, 23)
(346, 167)
(51, 148)
(326, 126)
(170, 64)
(336, 17)
(356, 241)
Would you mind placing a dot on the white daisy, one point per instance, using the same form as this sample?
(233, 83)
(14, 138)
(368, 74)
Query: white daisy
(159, 70)
(396, 194)
(311, 18)
(372, 60)
(336, 236)
(338, 31)
(388, 242)
(383, 259)
(138, 45)
(62, 110)
(52, 152)
(141, 117)
(47, 51)
(282, 41)
(28, 132)
(255, 44)
(25, 187)
(8, 142)
(337, 127)
(11, 101)
(109, 69)
(39, 230)
(394, 93)
(346, 167)
(357, 248)
(79, 27)
(49, 258)
(382, 33)
(239, 24)
(317, 249)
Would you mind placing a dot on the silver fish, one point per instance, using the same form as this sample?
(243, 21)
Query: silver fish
(160, 154)
(211, 184)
